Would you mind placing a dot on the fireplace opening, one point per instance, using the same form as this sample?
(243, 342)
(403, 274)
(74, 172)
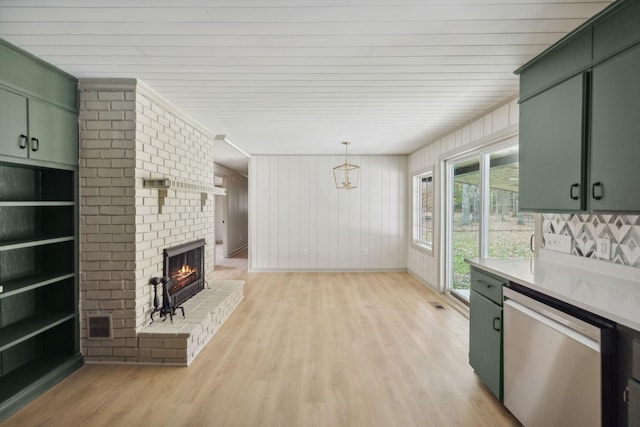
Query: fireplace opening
(184, 266)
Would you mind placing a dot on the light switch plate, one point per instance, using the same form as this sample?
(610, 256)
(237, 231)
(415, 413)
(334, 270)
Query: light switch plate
(603, 248)
(558, 242)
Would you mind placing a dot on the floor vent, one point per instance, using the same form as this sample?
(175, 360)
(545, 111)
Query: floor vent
(437, 305)
(99, 326)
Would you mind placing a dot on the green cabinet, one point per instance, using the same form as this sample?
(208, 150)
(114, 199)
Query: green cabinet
(32, 129)
(580, 118)
(615, 134)
(617, 30)
(39, 338)
(485, 329)
(39, 316)
(627, 380)
(552, 148)
(565, 60)
(53, 133)
(13, 124)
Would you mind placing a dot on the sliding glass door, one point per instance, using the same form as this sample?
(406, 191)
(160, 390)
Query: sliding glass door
(483, 219)
(464, 221)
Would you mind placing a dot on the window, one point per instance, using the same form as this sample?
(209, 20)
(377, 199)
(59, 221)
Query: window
(423, 209)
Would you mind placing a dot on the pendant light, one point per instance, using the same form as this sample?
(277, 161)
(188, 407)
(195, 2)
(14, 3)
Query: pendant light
(346, 175)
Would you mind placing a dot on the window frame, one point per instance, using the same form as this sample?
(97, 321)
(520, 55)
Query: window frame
(417, 209)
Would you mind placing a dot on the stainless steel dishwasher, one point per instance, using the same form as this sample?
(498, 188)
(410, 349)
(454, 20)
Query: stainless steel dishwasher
(553, 364)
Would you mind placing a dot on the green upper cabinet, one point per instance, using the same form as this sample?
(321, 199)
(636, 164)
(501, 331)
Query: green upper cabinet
(13, 124)
(615, 134)
(31, 129)
(53, 133)
(560, 63)
(552, 147)
(617, 31)
(38, 110)
(579, 143)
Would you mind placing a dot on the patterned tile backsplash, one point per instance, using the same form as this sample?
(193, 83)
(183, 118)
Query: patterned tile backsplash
(622, 230)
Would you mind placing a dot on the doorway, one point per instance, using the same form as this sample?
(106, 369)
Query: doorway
(221, 219)
(483, 219)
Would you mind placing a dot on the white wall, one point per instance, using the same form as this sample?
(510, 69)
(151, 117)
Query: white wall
(238, 210)
(492, 126)
(300, 221)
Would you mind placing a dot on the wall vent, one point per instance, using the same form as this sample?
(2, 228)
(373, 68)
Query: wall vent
(99, 326)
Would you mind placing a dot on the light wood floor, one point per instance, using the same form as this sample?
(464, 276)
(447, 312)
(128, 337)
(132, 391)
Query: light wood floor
(302, 349)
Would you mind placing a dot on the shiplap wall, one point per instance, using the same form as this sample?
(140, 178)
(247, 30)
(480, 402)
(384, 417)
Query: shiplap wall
(299, 221)
(483, 131)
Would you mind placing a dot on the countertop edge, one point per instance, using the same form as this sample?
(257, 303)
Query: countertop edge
(514, 270)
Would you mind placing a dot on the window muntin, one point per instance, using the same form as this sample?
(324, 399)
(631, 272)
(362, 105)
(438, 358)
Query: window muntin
(423, 209)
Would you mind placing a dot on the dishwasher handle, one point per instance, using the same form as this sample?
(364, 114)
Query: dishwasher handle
(576, 336)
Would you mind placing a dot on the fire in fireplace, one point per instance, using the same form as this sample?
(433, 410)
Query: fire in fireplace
(184, 266)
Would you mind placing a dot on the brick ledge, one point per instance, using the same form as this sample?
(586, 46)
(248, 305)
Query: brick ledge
(178, 343)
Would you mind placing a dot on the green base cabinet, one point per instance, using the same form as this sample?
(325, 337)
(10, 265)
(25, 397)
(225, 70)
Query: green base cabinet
(39, 316)
(485, 329)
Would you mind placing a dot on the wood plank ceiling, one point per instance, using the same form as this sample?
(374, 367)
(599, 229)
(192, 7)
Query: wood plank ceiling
(300, 76)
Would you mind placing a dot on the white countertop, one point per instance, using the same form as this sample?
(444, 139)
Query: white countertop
(611, 297)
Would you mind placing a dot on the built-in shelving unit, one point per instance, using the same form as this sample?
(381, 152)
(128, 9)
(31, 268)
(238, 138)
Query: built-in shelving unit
(38, 301)
(39, 324)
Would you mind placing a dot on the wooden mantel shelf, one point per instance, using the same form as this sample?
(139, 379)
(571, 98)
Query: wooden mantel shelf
(163, 185)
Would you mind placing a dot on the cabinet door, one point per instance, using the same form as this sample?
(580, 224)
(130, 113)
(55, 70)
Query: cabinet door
(615, 134)
(552, 149)
(13, 124)
(633, 411)
(53, 134)
(485, 342)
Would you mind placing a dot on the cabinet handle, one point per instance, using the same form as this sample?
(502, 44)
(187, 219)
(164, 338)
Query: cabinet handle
(577, 186)
(489, 285)
(23, 141)
(494, 324)
(600, 193)
(35, 144)
(533, 236)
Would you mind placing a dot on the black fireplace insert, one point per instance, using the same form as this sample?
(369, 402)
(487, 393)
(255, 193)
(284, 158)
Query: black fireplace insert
(184, 266)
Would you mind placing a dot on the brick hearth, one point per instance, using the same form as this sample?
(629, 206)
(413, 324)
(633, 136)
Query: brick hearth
(180, 341)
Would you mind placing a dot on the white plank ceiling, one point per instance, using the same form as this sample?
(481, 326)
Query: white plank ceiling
(300, 76)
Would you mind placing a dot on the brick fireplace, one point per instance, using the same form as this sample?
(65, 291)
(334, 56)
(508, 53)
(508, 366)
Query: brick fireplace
(129, 135)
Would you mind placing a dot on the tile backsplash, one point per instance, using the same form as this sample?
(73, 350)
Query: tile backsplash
(622, 230)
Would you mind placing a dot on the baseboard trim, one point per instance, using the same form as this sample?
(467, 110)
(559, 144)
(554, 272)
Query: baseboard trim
(237, 251)
(31, 391)
(327, 270)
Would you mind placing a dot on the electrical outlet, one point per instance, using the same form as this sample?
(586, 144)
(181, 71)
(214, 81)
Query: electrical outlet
(305, 252)
(603, 248)
(558, 242)
(365, 252)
